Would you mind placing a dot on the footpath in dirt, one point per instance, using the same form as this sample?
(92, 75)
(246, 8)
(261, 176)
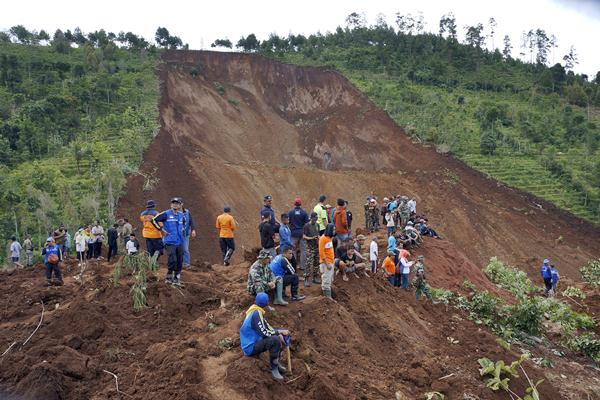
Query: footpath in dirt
(370, 343)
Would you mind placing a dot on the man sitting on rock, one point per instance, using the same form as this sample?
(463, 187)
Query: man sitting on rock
(285, 273)
(257, 336)
(260, 276)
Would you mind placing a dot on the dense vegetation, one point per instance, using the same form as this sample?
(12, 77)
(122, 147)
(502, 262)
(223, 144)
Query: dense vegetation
(76, 114)
(525, 123)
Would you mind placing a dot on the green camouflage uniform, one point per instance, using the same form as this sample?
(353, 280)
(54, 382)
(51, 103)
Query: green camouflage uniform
(420, 283)
(259, 277)
(404, 213)
(311, 269)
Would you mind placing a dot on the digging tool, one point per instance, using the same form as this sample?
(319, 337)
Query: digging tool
(288, 340)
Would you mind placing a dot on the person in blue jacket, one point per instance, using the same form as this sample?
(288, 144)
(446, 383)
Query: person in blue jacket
(257, 336)
(546, 276)
(286, 275)
(189, 229)
(555, 277)
(52, 257)
(173, 221)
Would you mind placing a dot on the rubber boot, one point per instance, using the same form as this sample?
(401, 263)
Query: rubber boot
(306, 281)
(275, 372)
(279, 294)
(317, 280)
(327, 293)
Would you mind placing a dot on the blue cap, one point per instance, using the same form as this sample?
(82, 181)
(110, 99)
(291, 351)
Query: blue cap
(262, 299)
(546, 261)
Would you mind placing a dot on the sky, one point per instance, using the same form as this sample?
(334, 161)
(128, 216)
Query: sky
(199, 23)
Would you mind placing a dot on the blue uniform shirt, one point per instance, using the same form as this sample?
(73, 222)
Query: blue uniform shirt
(285, 236)
(174, 224)
(298, 218)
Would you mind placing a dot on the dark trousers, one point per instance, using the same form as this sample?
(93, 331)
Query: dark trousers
(97, 249)
(175, 258)
(112, 250)
(291, 280)
(154, 245)
(272, 344)
(548, 284)
(53, 268)
(81, 256)
(90, 250)
(398, 280)
(227, 247)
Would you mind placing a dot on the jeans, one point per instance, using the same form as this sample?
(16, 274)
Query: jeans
(299, 243)
(53, 268)
(392, 280)
(398, 280)
(342, 237)
(272, 344)
(175, 258)
(186, 250)
(227, 248)
(154, 245)
(391, 229)
(405, 281)
(112, 251)
(291, 280)
(373, 266)
(97, 249)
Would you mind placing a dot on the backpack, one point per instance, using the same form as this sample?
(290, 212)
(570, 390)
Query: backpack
(53, 258)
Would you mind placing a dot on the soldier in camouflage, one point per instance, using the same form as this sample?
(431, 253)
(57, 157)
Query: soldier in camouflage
(311, 235)
(404, 211)
(420, 283)
(260, 277)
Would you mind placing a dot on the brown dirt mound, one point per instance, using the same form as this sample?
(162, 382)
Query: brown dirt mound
(246, 126)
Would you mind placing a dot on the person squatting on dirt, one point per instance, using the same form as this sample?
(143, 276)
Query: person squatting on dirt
(226, 226)
(546, 276)
(260, 276)
(420, 282)
(326, 259)
(347, 262)
(150, 233)
(173, 223)
(311, 262)
(257, 336)
(52, 258)
(189, 229)
(285, 274)
(298, 218)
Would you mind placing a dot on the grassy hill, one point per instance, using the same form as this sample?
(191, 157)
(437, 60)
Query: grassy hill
(530, 126)
(73, 123)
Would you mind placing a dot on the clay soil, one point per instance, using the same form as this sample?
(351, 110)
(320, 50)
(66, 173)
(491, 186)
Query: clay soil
(236, 127)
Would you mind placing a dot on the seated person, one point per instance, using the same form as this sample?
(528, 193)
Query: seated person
(413, 235)
(257, 336)
(403, 239)
(260, 276)
(425, 230)
(285, 273)
(348, 262)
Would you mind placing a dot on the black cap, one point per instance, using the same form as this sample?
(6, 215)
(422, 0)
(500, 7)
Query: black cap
(322, 198)
(314, 215)
(150, 204)
(226, 209)
(267, 197)
(177, 200)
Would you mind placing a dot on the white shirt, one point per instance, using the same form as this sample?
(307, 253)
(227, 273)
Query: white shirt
(373, 251)
(412, 206)
(406, 265)
(15, 249)
(390, 220)
(80, 241)
(130, 246)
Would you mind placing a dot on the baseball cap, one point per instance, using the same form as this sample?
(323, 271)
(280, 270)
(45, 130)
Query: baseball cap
(226, 209)
(267, 197)
(150, 204)
(546, 261)
(361, 237)
(177, 200)
(263, 254)
(298, 201)
(313, 215)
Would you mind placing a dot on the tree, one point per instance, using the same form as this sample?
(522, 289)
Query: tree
(597, 78)
(222, 43)
(4, 37)
(493, 25)
(507, 47)
(356, 21)
(474, 36)
(570, 59)
(487, 145)
(21, 33)
(43, 36)
(408, 24)
(59, 43)
(78, 37)
(448, 25)
(249, 43)
(542, 43)
(161, 37)
(553, 45)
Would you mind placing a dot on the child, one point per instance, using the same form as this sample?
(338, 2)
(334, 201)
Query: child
(373, 254)
(132, 245)
(555, 278)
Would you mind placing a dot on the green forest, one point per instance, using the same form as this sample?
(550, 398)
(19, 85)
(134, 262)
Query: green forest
(534, 125)
(77, 112)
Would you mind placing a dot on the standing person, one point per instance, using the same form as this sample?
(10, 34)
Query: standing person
(126, 230)
(405, 265)
(322, 219)
(98, 233)
(189, 230)
(420, 282)
(60, 238)
(348, 218)
(132, 246)
(384, 210)
(268, 208)
(298, 219)
(267, 233)
(28, 246)
(390, 223)
(311, 237)
(285, 274)
(389, 268)
(285, 235)
(52, 258)
(326, 258)
(555, 277)
(404, 211)
(67, 244)
(113, 236)
(374, 254)
(153, 236)
(257, 336)
(546, 276)
(340, 218)
(81, 239)
(172, 228)
(226, 226)
(15, 252)
(91, 242)
(412, 206)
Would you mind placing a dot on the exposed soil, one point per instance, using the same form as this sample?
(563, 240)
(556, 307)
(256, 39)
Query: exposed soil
(288, 131)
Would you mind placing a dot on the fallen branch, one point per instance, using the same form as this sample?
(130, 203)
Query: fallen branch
(116, 382)
(9, 347)
(447, 376)
(38, 325)
(573, 300)
(296, 378)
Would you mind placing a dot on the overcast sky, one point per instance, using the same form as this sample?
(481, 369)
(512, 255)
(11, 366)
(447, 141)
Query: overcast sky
(574, 22)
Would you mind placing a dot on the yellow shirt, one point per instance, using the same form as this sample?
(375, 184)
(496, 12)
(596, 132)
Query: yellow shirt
(226, 225)
(321, 215)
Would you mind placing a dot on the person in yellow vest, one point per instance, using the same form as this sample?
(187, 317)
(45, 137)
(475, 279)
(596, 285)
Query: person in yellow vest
(152, 235)
(226, 226)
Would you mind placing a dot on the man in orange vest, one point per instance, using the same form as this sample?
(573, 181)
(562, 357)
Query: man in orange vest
(226, 225)
(152, 235)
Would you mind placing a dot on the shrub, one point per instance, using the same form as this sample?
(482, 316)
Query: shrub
(509, 278)
(526, 316)
(574, 292)
(591, 273)
(587, 344)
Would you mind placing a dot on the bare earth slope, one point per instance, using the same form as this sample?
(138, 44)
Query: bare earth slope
(238, 126)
